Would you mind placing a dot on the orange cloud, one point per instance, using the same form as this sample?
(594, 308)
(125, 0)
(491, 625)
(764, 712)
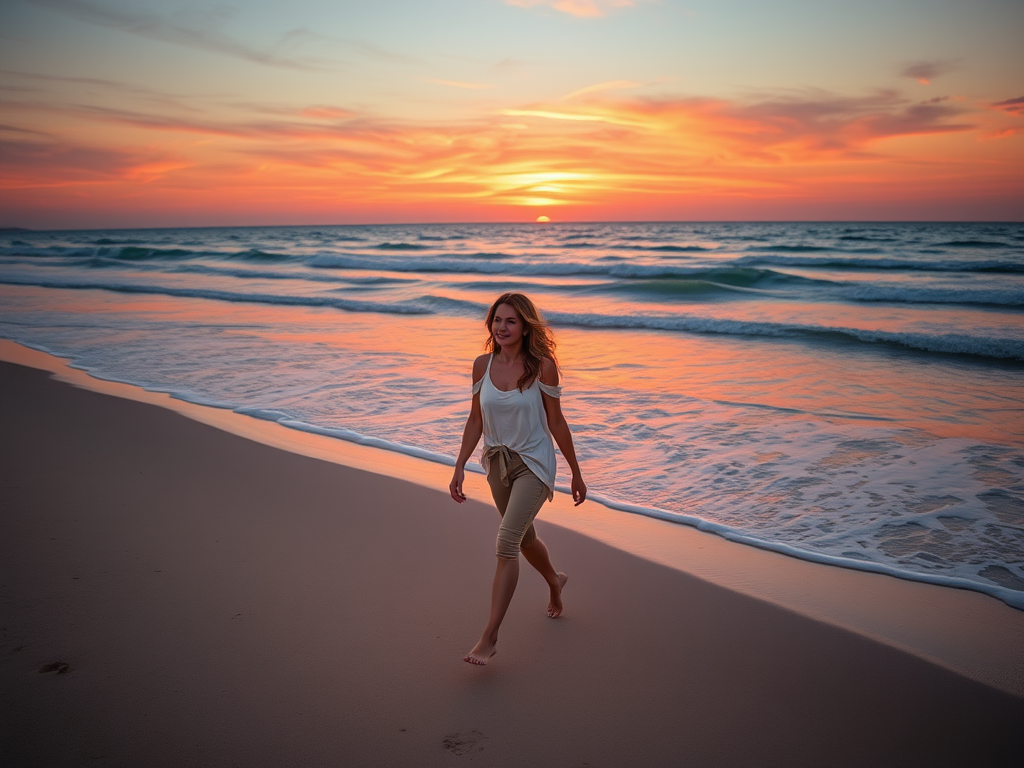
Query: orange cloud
(581, 8)
(1012, 106)
(325, 113)
(50, 162)
(600, 157)
(791, 128)
(1003, 133)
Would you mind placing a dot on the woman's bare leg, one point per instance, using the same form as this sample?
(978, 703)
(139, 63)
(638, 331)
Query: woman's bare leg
(538, 556)
(506, 576)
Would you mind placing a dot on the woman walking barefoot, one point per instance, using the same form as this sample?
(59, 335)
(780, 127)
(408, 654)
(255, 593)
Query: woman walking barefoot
(517, 410)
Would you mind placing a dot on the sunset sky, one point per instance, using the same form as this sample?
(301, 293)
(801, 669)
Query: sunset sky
(146, 113)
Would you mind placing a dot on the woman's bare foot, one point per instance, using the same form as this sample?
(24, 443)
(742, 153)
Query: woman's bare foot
(555, 606)
(481, 653)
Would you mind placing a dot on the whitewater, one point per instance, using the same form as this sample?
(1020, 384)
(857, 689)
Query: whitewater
(841, 392)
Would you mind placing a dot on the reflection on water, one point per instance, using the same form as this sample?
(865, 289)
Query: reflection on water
(771, 393)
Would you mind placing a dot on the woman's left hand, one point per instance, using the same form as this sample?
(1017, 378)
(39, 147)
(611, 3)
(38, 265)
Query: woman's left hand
(579, 489)
(455, 486)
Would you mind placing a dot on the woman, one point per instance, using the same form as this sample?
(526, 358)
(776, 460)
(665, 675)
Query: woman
(516, 408)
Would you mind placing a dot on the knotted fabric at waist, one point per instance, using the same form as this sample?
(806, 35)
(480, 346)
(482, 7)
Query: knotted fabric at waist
(504, 456)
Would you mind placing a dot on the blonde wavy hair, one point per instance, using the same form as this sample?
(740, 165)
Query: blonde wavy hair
(538, 341)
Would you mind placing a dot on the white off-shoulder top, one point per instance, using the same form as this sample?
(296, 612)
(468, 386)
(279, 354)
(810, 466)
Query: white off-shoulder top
(517, 420)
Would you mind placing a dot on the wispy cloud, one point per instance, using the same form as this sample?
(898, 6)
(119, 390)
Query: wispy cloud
(607, 154)
(324, 112)
(927, 71)
(22, 131)
(611, 85)
(44, 84)
(600, 115)
(457, 84)
(569, 152)
(582, 8)
(55, 163)
(796, 126)
(507, 64)
(196, 28)
(1011, 106)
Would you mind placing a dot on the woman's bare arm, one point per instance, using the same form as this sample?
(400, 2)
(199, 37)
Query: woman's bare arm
(559, 429)
(470, 434)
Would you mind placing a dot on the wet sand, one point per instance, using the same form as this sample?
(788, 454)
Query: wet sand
(219, 601)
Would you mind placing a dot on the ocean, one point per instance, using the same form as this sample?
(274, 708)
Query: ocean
(848, 393)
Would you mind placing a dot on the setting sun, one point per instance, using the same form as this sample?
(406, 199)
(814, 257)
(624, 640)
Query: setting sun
(542, 219)
(250, 123)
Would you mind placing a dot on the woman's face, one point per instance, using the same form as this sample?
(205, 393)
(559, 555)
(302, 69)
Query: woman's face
(507, 327)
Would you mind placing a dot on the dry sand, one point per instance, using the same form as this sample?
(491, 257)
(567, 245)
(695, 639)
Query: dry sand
(221, 602)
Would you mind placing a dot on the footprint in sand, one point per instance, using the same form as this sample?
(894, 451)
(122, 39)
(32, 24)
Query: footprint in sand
(461, 743)
(60, 667)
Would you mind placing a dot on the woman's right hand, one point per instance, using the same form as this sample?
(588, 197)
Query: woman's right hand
(455, 486)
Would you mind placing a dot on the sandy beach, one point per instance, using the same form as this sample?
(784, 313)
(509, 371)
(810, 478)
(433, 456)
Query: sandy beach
(218, 601)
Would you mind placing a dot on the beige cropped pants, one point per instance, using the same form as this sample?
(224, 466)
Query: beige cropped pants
(518, 496)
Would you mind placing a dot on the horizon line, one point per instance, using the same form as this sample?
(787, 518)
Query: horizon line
(15, 229)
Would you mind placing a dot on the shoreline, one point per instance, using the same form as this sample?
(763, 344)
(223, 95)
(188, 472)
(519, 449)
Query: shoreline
(176, 595)
(963, 631)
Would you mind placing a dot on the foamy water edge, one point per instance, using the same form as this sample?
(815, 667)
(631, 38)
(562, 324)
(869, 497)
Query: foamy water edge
(1012, 598)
